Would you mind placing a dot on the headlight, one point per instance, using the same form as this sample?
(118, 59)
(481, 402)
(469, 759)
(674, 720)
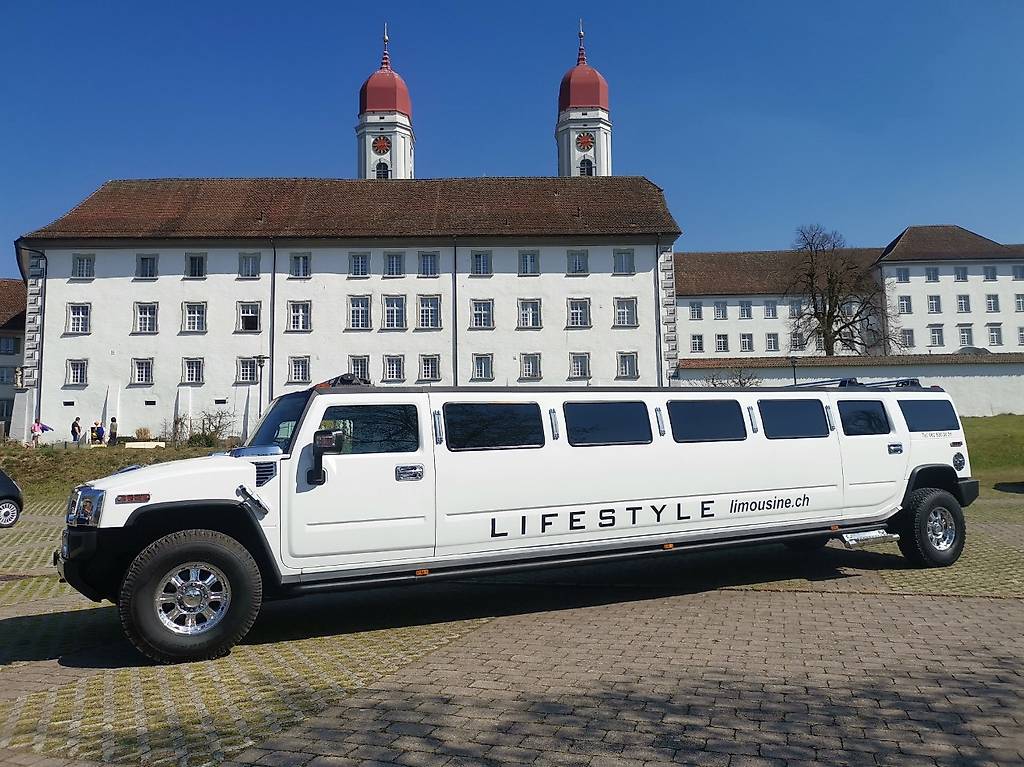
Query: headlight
(84, 507)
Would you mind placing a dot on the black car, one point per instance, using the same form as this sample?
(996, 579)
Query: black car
(10, 501)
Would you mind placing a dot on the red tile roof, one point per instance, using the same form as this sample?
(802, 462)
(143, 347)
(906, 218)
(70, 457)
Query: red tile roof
(12, 305)
(897, 360)
(945, 242)
(336, 208)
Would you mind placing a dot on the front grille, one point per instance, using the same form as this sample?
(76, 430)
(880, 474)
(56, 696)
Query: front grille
(265, 472)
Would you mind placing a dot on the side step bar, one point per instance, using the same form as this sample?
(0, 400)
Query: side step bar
(867, 537)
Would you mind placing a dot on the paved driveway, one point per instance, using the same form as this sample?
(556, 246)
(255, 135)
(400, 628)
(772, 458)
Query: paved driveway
(738, 658)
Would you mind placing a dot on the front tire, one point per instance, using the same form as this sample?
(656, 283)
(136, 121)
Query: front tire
(934, 531)
(10, 513)
(190, 596)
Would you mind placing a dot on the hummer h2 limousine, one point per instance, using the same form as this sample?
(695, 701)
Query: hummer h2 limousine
(355, 486)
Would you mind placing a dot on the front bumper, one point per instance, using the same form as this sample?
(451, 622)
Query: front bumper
(969, 490)
(75, 561)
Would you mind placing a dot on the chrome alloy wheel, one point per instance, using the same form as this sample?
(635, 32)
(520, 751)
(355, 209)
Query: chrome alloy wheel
(192, 598)
(941, 528)
(9, 513)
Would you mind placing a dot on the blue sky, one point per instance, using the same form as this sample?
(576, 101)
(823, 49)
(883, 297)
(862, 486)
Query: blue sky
(755, 117)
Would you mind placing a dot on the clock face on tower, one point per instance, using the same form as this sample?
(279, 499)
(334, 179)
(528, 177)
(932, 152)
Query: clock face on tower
(381, 145)
(585, 142)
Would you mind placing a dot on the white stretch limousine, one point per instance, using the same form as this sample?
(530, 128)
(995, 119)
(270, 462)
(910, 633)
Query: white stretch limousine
(346, 486)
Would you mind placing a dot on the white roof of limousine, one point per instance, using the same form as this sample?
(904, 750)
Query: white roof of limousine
(578, 390)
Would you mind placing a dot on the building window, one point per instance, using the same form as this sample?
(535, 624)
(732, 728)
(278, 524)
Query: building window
(300, 316)
(146, 266)
(83, 267)
(966, 336)
(483, 367)
(394, 264)
(995, 335)
(146, 318)
(936, 337)
(771, 342)
(142, 371)
(299, 266)
(623, 262)
(992, 302)
(430, 367)
(248, 266)
(990, 273)
(771, 310)
(625, 313)
(192, 370)
(430, 312)
(797, 342)
(586, 167)
(394, 312)
(960, 274)
(579, 365)
(746, 342)
(746, 310)
(249, 317)
(696, 310)
(721, 342)
(394, 367)
(819, 340)
(697, 343)
(1018, 272)
(194, 318)
(963, 304)
(907, 339)
(78, 373)
(245, 370)
(721, 310)
(8, 345)
(626, 365)
(902, 274)
(429, 265)
(529, 263)
(79, 318)
(6, 375)
(358, 264)
(796, 308)
(1019, 302)
(529, 367)
(359, 313)
(481, 314)
(931, 274)
(579, 313)
(934, 305)
(195, 266)
(529, 313)
(577, 263)
(298, 370)
(359, 366)
(480, 263)
(904, 305)
(382, 170)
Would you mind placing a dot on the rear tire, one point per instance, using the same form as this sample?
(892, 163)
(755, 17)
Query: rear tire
(808, 545)
(933, 532)
(10, 513)
(190, 596)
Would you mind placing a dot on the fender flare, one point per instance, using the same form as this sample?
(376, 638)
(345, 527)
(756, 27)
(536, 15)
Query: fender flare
(950, 482)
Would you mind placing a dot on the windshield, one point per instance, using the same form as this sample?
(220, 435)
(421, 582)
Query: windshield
(279, 422)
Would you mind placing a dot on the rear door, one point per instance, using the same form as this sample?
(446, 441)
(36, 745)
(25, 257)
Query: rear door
(874, 451)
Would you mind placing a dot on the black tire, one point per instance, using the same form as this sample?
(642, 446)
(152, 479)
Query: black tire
(145, 580)
(920, 539)
(808, 545)
(10, 512)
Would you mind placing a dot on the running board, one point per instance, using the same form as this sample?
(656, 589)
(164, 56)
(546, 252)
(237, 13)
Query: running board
(867, 537)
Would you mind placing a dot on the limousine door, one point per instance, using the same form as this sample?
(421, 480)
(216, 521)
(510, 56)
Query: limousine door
(376, 501)
(874, 454)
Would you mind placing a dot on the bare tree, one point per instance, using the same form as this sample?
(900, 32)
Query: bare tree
(731, 378)
(840, 300)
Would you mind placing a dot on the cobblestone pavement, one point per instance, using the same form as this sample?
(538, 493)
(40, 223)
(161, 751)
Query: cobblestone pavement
(730, 658)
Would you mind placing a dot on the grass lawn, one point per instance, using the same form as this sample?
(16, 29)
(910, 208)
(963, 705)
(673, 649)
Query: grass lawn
(996, 446)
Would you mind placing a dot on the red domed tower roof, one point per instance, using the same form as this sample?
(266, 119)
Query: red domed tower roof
(385, 90)
(582, 86)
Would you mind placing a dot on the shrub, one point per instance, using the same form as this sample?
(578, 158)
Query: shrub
(142, 434)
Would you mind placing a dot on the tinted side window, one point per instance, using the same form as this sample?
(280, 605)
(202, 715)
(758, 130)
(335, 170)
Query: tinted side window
(706, 420)
(607, 423)
(373, 428)
(492, 426)
(863, 417)
(793, 418)
(929, 415)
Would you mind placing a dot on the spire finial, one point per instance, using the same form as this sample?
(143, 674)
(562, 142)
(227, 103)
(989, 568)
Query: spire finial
(581, 57)
(385, 59)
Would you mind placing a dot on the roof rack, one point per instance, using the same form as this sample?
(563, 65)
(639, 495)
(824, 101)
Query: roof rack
(896, 383)
(842, 383)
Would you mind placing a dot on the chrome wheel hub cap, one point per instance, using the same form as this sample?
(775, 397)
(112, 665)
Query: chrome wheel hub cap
(8, 513)
(193, 598)
(941, 529)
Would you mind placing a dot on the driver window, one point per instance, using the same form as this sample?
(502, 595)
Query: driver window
(361, 429)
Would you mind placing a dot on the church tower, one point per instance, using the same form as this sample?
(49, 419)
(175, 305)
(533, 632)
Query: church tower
(384, 134)
(583, 131)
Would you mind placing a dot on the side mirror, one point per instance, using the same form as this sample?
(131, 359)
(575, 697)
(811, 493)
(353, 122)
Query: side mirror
(324, 441)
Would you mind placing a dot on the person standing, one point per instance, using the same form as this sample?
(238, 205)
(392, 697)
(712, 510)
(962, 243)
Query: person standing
(112, 436)
(38, 427)
(76, 431)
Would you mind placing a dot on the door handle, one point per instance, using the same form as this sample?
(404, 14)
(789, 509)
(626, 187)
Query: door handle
(895, 448)
(409, 472)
